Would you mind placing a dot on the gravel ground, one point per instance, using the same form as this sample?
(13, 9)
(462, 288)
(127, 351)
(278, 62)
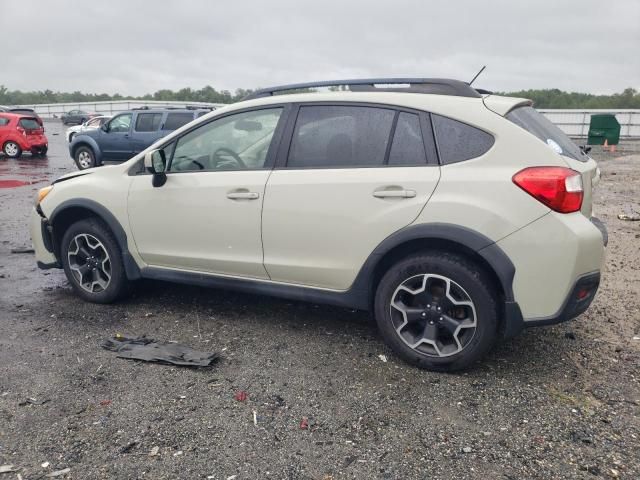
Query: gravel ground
(557, 402)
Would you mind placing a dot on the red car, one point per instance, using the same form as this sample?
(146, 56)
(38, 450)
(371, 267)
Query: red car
(20, 133)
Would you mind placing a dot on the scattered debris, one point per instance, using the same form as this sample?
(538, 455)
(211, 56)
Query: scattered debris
(232, 477)
(178, 453)
(241, 396)
(383, 358)
(149, 350)
(255, 418)
(155, 451)
(570, 335)
(129, 446)
(467, 449)
(58, 473)
(7, 469)
(634, 217)
(33, 401)
(304, 423)
(23, 250)
(104, 403)
(45, 465)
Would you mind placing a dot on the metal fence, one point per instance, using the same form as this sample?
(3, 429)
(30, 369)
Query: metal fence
(54, 110)
(573, 122)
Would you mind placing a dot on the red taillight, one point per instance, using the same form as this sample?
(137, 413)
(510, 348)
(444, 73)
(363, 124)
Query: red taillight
(559, 188)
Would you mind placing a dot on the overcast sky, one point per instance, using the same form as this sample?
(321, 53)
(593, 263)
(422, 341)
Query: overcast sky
(136, 47)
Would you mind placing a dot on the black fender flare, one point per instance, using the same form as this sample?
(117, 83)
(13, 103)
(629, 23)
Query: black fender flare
(480, 244)
(131, 267)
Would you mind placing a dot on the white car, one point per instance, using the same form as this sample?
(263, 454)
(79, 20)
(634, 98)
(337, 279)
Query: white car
(456, 217)
(91, 124)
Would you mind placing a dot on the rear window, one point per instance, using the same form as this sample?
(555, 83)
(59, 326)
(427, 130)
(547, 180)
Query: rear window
(458, 141)
(176, 120)
(148, 122)
(540, 126)
(29, 123)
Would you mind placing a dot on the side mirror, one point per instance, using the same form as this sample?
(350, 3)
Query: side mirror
(155, 162)
(105, 127)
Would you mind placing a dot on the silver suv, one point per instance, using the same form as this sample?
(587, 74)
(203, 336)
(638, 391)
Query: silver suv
(455, 216)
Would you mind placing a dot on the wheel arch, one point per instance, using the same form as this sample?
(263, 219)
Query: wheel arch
(447, 238)
(80, 140)
(70, 211)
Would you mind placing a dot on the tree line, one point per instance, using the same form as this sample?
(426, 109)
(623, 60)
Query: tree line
(548, 98)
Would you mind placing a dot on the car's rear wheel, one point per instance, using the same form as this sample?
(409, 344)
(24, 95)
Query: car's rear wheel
(85, 158)
(12, 149)
(92, 261)
(437, 311)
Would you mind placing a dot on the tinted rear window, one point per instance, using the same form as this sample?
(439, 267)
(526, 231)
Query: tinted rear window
(458, 141)
(176, 120)
(148, 122)
(540, 126)
(340, 136)
(29, 123)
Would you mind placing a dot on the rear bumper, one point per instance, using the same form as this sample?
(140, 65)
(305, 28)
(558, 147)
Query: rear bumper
(577, 302)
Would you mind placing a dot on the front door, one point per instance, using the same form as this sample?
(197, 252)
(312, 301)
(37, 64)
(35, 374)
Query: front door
(207, 216)
(115, 142)
(352, 176)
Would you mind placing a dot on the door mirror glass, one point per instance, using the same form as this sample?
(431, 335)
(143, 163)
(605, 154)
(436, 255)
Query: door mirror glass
(105, 127)
(155, 161)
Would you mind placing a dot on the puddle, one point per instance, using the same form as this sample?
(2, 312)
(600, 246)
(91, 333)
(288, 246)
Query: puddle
(14, 183)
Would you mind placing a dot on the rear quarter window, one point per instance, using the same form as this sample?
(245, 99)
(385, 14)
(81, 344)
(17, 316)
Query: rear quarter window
(458, 141)
(148, 122)
(4, 121)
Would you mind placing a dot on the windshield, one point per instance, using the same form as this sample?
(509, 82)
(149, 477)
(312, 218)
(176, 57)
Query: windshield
(540, 126)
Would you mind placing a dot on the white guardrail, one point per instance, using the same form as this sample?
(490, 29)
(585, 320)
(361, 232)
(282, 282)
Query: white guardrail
(55, 110)
(573, 122)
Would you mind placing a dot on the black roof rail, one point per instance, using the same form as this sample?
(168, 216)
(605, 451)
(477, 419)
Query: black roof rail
(437, 86)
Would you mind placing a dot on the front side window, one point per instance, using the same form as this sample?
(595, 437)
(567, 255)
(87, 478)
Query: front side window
(121, 123)
(458, 141)
(148, 122)
(340, 136)
(175, 120)
(234, 142)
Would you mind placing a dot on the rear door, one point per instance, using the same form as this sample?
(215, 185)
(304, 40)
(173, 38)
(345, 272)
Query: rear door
(347, 177)
(115, 143)
(146, 130)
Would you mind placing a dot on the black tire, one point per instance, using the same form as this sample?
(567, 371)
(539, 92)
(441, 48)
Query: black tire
(475, 284)
(11, 149)
(83, 162)
(118, 284)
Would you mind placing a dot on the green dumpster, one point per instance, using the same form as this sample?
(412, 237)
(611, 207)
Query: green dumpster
(603, 127)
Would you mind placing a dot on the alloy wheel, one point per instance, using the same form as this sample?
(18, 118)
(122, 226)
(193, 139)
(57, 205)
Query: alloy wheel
(84, 159)
(89, 263)
(11, 149)
(433, 315)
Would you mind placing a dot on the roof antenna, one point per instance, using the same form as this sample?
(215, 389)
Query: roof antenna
(477, 74)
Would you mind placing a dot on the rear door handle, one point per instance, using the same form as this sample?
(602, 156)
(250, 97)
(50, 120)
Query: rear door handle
(243, 195)
(394, 193)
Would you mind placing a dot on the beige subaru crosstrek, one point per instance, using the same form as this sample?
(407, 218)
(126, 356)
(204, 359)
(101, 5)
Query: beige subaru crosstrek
(455, 216)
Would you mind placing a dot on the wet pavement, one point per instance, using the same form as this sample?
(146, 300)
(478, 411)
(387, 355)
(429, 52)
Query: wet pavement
(320, 402)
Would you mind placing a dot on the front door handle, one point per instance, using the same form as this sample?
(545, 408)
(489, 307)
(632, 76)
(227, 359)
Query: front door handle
(243, 195)
(394, 193)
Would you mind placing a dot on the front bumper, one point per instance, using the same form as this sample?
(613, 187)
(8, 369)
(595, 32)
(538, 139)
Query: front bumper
(42, 240)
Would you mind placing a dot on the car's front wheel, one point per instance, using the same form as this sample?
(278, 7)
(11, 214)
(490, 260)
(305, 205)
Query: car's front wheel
(437, 311)
(85, 158)
(92, 261)
(12, 149)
